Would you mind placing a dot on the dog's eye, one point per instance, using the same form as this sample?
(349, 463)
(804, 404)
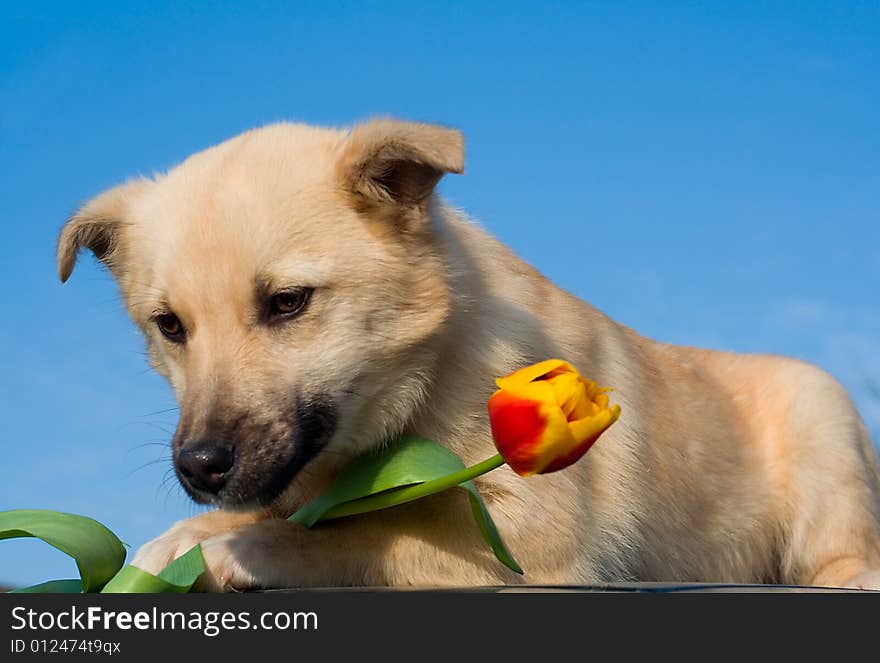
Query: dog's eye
(289, 302)
(170, 325)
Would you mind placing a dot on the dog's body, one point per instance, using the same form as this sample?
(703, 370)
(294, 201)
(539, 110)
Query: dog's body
(723, 467)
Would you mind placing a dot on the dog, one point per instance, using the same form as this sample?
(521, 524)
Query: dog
(310, 297)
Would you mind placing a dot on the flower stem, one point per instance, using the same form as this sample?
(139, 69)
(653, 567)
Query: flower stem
(413, 492)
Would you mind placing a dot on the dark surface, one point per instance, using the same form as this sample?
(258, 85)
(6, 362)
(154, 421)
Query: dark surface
(617, 588)
(624, 587)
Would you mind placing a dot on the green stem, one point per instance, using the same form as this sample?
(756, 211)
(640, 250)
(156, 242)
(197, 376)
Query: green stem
(413, 492)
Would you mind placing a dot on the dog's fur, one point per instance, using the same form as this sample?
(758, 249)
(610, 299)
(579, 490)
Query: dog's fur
(723, 467)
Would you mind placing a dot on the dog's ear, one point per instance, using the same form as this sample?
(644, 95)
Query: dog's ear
(386, 161)
(97, 226)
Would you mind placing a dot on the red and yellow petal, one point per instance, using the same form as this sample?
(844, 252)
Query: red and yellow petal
(586, 431)
(534, 372)
(571, 395)
(556, 439)
(517, 426)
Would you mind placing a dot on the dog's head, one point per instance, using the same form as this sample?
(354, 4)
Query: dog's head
(288, 283)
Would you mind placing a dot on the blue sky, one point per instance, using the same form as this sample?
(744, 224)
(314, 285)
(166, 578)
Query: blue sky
(706, 174)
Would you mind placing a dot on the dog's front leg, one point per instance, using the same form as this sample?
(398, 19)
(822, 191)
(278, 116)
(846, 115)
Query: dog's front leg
(430, 542)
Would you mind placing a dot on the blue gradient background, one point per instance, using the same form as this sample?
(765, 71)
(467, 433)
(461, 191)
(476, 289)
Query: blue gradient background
(706, 174)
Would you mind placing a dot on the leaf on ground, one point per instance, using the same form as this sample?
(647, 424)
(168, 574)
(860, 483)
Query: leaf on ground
(176, 578)
(96, 550)
(66, 586)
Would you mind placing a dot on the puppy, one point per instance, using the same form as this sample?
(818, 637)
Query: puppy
(309, 297)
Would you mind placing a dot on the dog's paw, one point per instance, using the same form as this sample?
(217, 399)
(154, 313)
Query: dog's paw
(260, 556)
(158, 553)
(161, 551)
(226, 568)
(865, 580)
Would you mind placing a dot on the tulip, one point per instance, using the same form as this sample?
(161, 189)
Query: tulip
(543, 418)
(546, 416)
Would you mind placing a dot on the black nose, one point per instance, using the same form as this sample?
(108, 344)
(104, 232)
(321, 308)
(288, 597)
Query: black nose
(205, 465)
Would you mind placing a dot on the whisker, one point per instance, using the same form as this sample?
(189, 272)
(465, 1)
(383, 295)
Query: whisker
(153, 414)
(155, 443)
(150, 424)
(164, 459)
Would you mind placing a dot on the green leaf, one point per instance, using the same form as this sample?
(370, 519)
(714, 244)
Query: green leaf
(67, 586)
(408, 469)
(176, 578)
(488, 529)
(96, 550)
(410, 460)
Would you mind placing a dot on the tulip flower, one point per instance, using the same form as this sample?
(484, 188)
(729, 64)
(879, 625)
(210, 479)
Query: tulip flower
(543, 417)
(546, 416)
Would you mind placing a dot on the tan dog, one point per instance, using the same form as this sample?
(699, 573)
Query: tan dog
(309, 297)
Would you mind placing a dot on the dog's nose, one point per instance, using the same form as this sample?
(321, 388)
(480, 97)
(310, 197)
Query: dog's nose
(205, 465)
